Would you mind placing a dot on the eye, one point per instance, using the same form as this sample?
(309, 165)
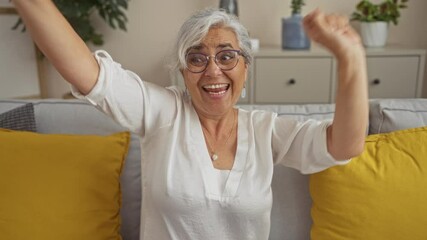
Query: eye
(226, 57)
(196, 59)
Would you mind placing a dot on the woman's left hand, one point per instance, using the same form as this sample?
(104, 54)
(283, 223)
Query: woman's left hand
(333, 32)
(346, 135)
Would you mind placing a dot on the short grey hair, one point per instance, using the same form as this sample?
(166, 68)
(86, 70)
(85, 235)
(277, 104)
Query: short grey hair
(197, 27)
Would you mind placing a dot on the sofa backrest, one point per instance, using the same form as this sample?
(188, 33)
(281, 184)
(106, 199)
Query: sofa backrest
(290, 218)
(387, 115)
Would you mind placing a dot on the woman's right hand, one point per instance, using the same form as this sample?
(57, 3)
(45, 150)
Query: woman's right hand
(59, 42)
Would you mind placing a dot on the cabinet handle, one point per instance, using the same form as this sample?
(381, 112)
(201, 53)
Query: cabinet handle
(292, 81)
(376, 81)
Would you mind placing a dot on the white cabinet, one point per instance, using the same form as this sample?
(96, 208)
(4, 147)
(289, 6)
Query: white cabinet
(392, 77)
(310, 76)
(293, 80)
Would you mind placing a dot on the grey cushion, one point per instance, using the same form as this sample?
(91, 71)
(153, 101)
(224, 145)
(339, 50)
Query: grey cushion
(20, 118)
(387, 115)
(298, 112)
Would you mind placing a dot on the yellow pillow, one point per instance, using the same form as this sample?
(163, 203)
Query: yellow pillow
(60, 186)
(380, 195)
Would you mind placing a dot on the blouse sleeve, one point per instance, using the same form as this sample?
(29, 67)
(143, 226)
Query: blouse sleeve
(302, 145)
(131, 102)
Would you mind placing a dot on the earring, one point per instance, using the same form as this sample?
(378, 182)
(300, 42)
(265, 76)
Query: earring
(243, 95)
(186, 93)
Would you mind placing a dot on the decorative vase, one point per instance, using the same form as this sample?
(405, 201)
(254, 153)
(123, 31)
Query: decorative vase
(230, 6)
(374, 34)
(293, 34)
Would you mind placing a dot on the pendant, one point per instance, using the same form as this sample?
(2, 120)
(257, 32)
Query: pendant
(214, 157)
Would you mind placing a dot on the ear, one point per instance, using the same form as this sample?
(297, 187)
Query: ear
(183, 77)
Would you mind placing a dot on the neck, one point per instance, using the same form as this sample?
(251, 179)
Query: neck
(218, 126)
(219, 135)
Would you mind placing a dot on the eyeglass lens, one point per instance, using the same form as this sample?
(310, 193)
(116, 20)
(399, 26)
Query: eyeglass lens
(226, 60)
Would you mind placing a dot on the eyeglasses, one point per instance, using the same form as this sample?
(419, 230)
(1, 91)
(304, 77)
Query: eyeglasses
(225, 60)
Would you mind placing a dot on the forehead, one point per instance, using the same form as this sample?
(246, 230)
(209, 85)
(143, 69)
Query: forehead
(218, 38)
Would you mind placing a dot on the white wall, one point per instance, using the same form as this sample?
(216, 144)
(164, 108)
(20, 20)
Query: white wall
(153, 26)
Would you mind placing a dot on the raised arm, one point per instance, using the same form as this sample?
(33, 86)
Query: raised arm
(346, 135)
(59, 42)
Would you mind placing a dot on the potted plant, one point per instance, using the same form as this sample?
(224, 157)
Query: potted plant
(79, 14)
(375, 19)
(293, 34)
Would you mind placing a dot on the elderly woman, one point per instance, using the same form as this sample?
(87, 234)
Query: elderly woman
(207, 166)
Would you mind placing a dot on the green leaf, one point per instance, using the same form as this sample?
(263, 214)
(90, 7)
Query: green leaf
(78, 14)
(111, 23)
(97, 39)
(123, 3)
(17, 24)
(102, 13)
(122, 24)
(388, 11)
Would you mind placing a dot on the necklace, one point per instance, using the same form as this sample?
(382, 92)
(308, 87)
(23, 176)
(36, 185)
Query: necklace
(214, 153)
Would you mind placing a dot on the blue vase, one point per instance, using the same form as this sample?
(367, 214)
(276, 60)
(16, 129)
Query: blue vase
(230, 6)
(293, 34)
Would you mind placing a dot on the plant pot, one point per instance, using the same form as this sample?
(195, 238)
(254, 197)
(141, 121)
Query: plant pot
(293, 34)
(374, 34)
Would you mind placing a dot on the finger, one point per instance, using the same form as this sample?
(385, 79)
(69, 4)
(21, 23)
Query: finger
(315, 24)
(343, 21)
(337, 22)
(311, 14)
(314, 19)
(332, 22)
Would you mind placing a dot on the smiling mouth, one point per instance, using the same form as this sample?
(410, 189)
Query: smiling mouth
(216, 89)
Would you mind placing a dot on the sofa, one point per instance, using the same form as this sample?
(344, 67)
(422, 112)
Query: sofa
(292, 203)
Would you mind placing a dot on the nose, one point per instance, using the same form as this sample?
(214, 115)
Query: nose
(212, 68)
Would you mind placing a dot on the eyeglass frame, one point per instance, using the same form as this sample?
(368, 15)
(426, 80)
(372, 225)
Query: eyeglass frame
(208, 57)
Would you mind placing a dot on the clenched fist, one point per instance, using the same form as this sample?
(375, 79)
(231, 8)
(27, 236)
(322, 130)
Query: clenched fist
(333, 32)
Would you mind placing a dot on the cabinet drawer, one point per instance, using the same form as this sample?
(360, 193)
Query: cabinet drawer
(292, 80)
(393, 77)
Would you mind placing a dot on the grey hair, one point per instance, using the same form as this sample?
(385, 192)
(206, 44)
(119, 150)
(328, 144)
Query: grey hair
(197, 27)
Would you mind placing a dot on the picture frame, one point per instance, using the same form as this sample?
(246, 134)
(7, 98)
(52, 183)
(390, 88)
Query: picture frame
(6, 7)
(19, 64)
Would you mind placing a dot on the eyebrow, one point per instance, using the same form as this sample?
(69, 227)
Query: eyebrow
(225, 45)
(221, 46)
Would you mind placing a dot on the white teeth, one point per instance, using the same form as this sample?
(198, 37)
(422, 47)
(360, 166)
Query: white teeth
(217, 93)
(215, 86)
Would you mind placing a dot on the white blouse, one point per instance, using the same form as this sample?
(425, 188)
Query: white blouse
(184, 196)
